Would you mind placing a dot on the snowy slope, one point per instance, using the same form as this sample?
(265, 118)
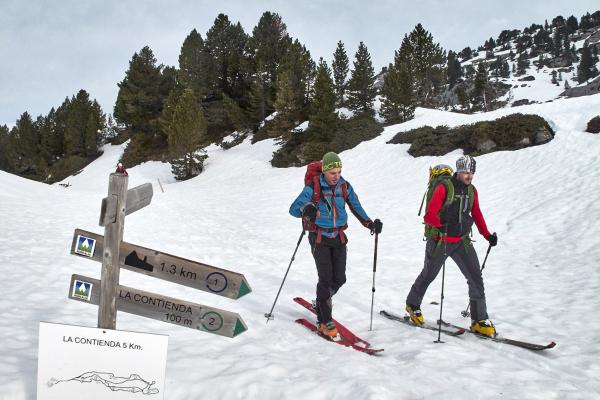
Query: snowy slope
(542, 280)
(540, 89)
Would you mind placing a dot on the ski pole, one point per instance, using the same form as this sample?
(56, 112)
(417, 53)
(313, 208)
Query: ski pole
(465, 313)
(442, 295)
(269, 315)
(374, 270)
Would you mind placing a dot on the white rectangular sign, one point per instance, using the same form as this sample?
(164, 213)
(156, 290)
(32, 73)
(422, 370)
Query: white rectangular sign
(91, 363)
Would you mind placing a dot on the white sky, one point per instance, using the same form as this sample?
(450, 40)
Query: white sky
(50, 50)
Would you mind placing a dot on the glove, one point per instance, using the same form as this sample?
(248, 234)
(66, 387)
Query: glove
(310, 212)
(493, 239)
(375, 226)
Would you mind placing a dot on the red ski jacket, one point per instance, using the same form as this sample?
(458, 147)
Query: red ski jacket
(435, 205)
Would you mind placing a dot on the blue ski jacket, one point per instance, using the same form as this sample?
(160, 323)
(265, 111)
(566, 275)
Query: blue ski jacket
(331, 213)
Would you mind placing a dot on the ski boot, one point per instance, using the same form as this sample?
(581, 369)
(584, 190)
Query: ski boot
(483, 327)
(415, 314)
(329, 330)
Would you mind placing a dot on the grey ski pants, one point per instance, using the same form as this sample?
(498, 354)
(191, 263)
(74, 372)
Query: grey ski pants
(468, 263)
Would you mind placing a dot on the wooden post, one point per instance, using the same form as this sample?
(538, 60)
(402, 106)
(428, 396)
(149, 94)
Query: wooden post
(113, 235)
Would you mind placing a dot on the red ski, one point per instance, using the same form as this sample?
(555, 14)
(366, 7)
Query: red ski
(347, 337)
(341, 328)
(341, 340)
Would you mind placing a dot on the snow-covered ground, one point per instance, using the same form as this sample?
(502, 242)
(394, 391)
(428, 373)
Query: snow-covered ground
(542, 280)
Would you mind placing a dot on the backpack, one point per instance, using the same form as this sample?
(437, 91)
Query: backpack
(312, 177)
(441, 174)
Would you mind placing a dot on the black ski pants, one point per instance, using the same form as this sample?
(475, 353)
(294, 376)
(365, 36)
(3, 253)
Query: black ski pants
(465, 257)
(330, 259)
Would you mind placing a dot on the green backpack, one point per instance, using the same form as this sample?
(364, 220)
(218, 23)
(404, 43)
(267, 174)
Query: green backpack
(441, 174)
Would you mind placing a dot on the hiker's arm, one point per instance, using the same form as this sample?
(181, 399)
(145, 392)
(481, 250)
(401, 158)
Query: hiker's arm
(356, 207)
(302, 200)
(434, 206)
(478, 217)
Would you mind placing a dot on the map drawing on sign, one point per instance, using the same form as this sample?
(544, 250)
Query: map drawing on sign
(85, 246)
(82, 290)
(133, 383)
(134, 261)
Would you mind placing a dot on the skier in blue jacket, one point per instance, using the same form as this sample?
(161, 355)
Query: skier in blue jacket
(322, 205)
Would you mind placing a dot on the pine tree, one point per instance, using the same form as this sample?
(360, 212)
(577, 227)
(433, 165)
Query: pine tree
(259, 99)
(139, 101)
(567, 47)
(323, 118)
(481, 90)
(466, 54)
(51, 138)
(26, 141)
(572, 24)
(85, 122)
(340, 67)
(287, 103)
(187, 132)
(236, 117)
(7, 155)
(540, 64)
(398, 104)
(557, 40)
(193, 64)
(225, 44)
(522, 63)
(237, 79)
(586, 21)
(361, 87)
(554, 80)
(426, 60)
(505, 71)
(454, 71)
(587, 66)
(297, 65)
(265, 49)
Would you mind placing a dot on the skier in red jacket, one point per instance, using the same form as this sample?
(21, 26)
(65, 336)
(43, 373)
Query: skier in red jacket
(452, 224)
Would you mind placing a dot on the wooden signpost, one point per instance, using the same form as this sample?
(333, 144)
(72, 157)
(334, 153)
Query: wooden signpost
(113, 233)
(114, 254)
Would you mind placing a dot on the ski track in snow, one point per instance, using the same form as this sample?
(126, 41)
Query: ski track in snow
(542, 280)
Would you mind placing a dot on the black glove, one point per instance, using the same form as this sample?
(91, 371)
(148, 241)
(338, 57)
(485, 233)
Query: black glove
(375, 226)
(493, 239)
(310, 212)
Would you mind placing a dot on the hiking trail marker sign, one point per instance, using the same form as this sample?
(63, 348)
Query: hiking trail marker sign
(115, 254)
(99, 364)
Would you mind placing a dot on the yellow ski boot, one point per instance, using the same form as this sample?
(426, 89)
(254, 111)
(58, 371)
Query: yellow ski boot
(415, 314)
(484, 327)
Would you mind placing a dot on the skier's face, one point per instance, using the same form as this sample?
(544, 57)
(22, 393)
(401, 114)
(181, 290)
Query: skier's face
(333, 176)
(465, 177)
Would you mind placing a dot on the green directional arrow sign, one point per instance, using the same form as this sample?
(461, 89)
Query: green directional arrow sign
(164, 266)
(162, 308)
